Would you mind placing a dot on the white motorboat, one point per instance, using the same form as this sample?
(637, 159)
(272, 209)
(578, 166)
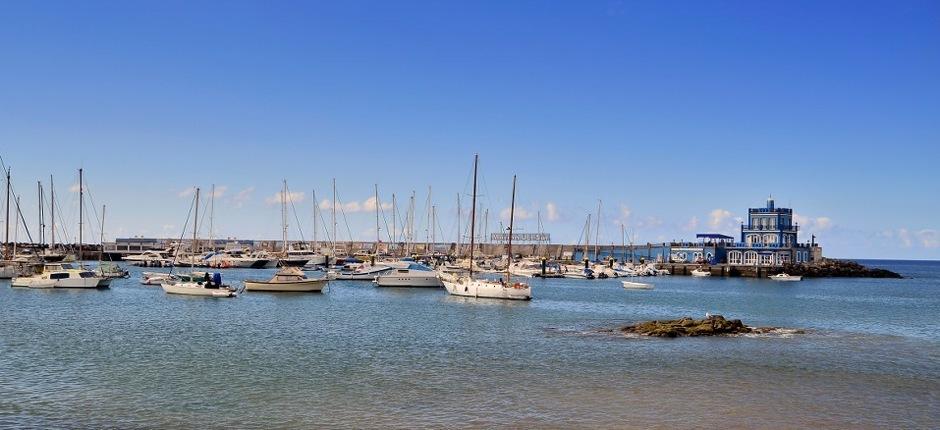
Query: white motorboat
(149, 259)
(362, 273)
(783, 277)
(415, 275)
(204, 289)
(701, 273)
(288, 279)
(629, 285)
(578, 272)
(61, 275)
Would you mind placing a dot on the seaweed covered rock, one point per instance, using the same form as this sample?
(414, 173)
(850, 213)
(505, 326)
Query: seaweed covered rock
(713, 325)
(828, 267)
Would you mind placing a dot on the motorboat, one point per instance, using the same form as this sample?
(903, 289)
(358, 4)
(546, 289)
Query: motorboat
(578, 272)
(299, 258)
(701, 273)
(61, 275)
(629, 285)
(360, 273)
(783, 277)
(111, 270)
(205, 288)
(157, 278)
(149, 259)
(288, 279)
(414, 275)
(240, 259)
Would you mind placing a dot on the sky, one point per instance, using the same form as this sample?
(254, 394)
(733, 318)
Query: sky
(676, 116)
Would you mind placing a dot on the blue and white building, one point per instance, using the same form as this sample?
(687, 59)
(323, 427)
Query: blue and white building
(769, 237)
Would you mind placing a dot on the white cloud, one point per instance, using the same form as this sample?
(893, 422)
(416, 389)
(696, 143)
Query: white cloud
(291, 197)
(520, 214)
(625, 212)
(719, 218)
(905, 237)
(220, 191)
(367, 205)
(551, 212)
(929, 238)
(74, 188)
(242, 197)
(649, 222)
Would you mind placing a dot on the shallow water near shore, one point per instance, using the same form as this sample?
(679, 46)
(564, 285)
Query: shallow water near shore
(360, 356)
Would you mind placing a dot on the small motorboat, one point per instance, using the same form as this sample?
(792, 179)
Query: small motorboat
(211, 288)
(701, 273)
(629, 285)
(783, 277)
(288, 279)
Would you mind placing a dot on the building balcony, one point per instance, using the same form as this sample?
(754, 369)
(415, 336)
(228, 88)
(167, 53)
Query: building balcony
(770, 210)
(785, 229)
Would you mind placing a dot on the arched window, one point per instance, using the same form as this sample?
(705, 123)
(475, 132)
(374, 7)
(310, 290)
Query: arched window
(766, 259)
(734, 257)
(770, 238)
(750, 258)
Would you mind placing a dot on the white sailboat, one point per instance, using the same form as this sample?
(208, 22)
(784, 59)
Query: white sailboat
(467, 286)
(192, 286)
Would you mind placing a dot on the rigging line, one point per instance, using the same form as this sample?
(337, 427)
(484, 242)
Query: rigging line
(179, 245)
(296, 218)
(326, 231)
(345, 220)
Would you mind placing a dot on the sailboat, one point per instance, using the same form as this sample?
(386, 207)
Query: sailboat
(64, 275)
(467, 286)
(209, 287)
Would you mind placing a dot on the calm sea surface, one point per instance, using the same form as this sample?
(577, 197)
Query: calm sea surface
(360, 356)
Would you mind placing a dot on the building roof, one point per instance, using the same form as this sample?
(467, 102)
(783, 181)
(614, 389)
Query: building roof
(712, 236)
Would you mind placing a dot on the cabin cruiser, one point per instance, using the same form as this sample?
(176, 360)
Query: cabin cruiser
(288, 279)
(297, 258)
(785, 277)
(149, 259)
(414, 275)
(701, 273)
(578, 272)
(212, 287)
(62, 275)
(236, 259)
(157, 278)
(361, 272)
(109, 270)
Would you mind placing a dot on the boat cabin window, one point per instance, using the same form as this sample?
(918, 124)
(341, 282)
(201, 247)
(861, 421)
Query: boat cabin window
(87, 274)
(59, 276)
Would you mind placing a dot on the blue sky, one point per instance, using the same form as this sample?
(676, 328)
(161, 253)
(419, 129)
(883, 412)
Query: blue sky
(678, 115)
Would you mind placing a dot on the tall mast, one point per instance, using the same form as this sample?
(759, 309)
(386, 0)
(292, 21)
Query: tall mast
(473, 211)
(587, 239)
(459, 233)
(6, 240)
(394, 223)
(623, 242)
(42, 224)
(433, 224)
(316, 220)
(284, 218)
(334, 217)
(101, 239)
(597, 231)
(411, 223)
(512, 213)
(211, 218)
(52, 212)
(377, 237)
(486, 225)
(427, 230)
(81, 208)
(195, 228)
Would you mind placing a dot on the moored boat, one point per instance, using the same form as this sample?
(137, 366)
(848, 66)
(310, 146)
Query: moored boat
(701, 273)
(288, 279)
(629, 285)
(783, 277)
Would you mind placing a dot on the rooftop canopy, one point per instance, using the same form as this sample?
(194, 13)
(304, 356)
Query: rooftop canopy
(713, 236)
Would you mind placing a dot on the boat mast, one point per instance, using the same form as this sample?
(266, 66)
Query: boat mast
(6, 240)
(333, 219)
(433, 224)
(52, 212)
(473, 211)
(316, 220)
(623, 242)
(587, 240)
(211, 218)
(195, 228)
(597, 231)
(284, 218)
(81, 208)
(411, 223)
(459, 233)
(377, 237)
(394, 222)
(42, 223)
(427, 229)
(101, 239)
(512, 213)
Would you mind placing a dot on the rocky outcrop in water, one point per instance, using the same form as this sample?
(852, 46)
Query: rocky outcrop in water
(713, 325)
(830, 268)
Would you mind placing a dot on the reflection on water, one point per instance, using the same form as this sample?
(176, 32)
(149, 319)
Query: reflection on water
(361, 356)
